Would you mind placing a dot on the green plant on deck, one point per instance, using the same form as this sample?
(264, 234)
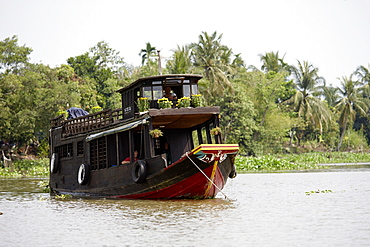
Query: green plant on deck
(197, 100)
(164, 103)
(142, 104)
(215, 131)
(183, 102)
(155, 133)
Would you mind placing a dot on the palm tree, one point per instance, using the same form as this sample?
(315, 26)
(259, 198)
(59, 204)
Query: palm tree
(310, 108)
(147, 52)
(350, 104)
(363, 74)
(180, 62)
(215, 61)
(272, 62)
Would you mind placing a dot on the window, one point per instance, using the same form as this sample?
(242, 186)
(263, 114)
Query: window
(186, 90)
(80, 148)
(194, 89)
(157, 92)
(147, 92)
(98, 153)
(65, 151)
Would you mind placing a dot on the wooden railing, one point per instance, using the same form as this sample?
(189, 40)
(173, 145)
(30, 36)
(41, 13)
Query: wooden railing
(87, 123)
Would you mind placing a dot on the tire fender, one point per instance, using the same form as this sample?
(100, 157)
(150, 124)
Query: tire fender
(83, 175)
(139, 171)
(54, 162)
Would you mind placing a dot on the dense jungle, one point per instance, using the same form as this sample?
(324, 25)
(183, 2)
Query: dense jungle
(272, 109)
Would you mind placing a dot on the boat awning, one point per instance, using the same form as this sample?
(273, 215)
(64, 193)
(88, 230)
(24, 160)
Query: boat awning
(116, 130)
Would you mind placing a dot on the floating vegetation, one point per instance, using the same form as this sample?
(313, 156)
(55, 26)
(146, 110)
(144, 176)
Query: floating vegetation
(63, 197)
(27, 168)
(45, 186)
(303, 161)
(318, 191)
(269, 163)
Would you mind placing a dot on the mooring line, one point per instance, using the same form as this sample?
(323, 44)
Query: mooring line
(207, 177)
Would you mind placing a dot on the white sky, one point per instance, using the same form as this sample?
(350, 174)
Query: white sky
(334, 35)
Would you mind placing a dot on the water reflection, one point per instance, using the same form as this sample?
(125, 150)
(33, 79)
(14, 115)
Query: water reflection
(267, 209)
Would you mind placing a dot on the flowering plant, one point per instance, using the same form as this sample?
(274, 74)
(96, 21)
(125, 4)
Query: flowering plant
(183, 102)
(143, 104)
(216, 131)
(197, 100)
(155, 133)
(164, 103)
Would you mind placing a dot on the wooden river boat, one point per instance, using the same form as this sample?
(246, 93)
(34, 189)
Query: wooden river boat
(187, 161)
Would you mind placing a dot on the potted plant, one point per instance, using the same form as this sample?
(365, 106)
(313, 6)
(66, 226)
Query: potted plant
(216, 131)
(197, 100)
(155, 133)
(164, 103)
(142, 104)
(183, 102)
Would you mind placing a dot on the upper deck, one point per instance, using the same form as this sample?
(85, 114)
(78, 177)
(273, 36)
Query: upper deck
(153, 88)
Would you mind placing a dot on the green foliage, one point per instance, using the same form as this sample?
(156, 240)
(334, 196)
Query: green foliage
(27, 168)
(269, 163)
(301, 161)
(252, 112)
(12, 56)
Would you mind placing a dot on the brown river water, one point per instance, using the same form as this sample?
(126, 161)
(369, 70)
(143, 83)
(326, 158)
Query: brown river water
(266, 209)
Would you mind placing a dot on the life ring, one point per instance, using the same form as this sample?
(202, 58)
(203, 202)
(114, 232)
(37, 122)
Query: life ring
(139, 171)
(54, 162)
(83, 175)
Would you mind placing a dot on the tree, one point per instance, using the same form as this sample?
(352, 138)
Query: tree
(215, 61)
(180, 63)
(98, 68)
(106, 57)
(147, 53)
(311, 108)
(237, 119)
(12, 56)
(363, 74)
(350, 104)
(272, 62)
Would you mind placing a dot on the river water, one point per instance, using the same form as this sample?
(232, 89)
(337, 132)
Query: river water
(266, 209)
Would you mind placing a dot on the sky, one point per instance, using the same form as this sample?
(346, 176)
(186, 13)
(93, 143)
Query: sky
(333, 35)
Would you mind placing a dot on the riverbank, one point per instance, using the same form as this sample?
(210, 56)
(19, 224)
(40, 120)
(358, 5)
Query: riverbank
(303, 161)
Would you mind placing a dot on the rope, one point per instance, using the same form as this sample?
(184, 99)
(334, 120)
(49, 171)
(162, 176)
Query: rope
(207, 176)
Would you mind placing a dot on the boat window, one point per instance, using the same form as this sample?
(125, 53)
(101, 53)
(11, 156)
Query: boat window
(65, 151)
(157, 92)
(80, 148)
(186, 90)
(186, 81)
(157, 82)
(194, 89)
(147, 92)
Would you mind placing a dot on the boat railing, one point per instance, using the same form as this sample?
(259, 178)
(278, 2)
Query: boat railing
(57, 121)
(86, 123)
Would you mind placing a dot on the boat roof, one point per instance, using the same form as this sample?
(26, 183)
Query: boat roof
(183, 117)
(159, 77)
